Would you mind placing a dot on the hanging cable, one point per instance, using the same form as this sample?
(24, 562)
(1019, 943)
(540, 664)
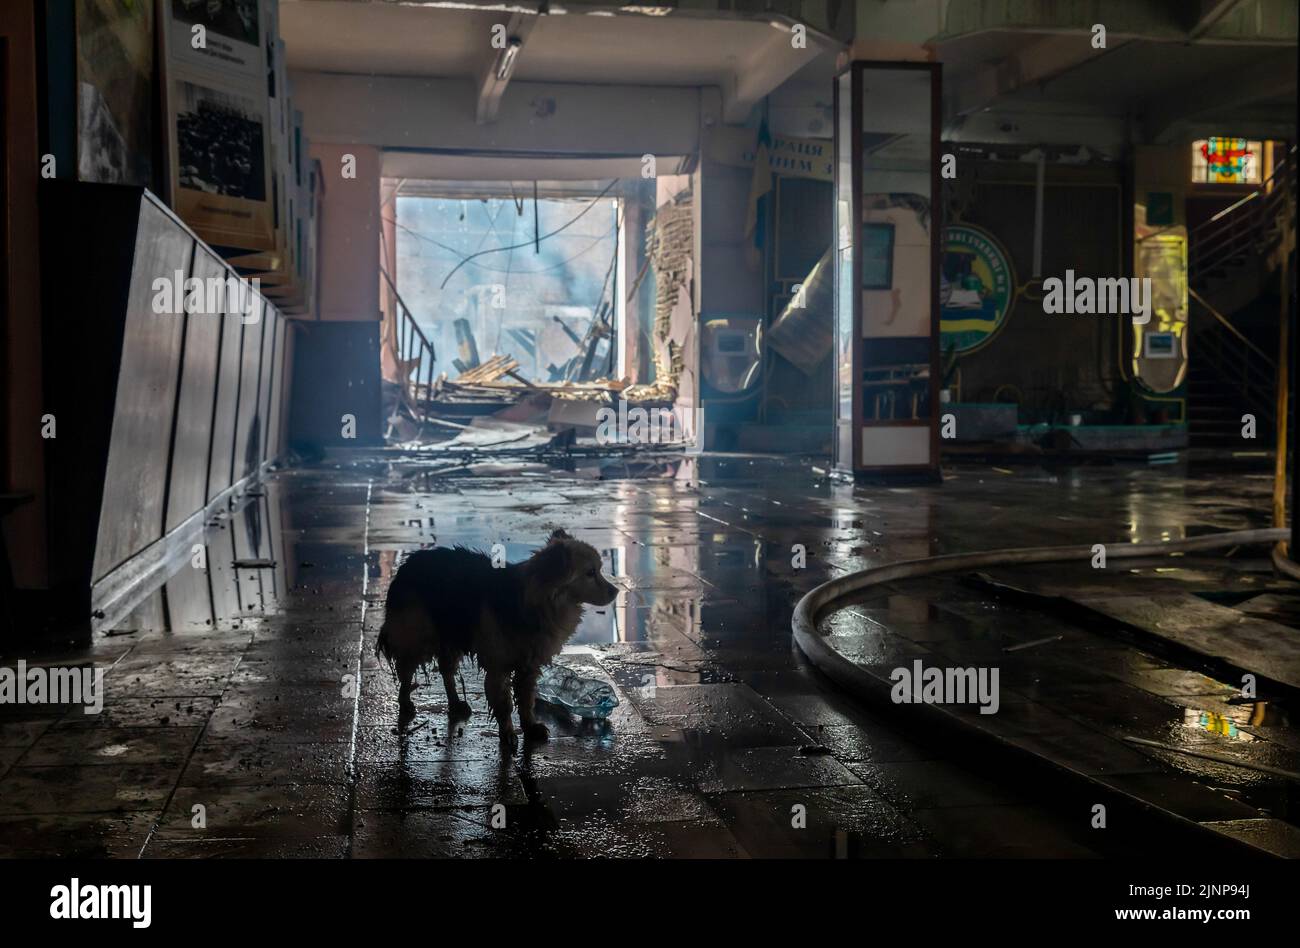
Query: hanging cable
(537, 240)
(595, 242)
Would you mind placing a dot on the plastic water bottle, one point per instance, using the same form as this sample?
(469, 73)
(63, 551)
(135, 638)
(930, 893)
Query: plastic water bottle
(585, 697)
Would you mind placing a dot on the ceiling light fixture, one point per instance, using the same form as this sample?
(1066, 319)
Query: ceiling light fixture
(508, 57)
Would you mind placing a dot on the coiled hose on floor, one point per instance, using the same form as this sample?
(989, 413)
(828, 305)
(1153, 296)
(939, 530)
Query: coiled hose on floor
(845, 672)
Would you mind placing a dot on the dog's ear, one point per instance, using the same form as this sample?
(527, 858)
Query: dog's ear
(557, 535)
(553, 563)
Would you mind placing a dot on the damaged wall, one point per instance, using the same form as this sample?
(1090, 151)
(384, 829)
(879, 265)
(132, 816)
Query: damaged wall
(672, 246)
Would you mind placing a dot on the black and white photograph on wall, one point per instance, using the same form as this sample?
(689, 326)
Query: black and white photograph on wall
(233, 19)
(115, 60)
(220, 143)
(224, 35)
(219, 159)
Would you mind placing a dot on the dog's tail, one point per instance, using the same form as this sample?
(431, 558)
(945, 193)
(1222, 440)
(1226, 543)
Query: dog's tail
(383, 647)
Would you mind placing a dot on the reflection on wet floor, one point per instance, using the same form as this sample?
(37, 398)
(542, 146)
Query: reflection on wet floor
(245, 685)
(1083, 679)
(1218, 724)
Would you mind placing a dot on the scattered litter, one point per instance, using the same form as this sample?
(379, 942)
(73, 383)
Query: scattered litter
(814, 750)
(585, 697)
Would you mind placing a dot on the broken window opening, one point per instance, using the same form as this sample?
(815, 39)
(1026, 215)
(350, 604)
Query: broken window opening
(545, 295)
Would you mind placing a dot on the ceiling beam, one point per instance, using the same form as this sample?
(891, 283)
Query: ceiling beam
(1031, 65)
(1260, 22)
(1210, 13)
(1220, 97)
(498, 64)
(418, 113)
(773, 62)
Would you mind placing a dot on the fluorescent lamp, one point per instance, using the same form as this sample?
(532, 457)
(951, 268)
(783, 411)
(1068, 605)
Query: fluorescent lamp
(508, 57)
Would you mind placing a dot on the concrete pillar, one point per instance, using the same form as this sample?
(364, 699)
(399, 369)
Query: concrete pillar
(349, 233)
(731, 270)
(337, 357)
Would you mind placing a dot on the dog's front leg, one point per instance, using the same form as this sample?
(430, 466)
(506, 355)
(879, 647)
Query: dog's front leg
(455, 706)
(497, 686)
(526, 695)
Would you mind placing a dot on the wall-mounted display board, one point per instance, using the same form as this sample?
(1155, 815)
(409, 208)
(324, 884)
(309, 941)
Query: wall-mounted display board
(287, 271)
(887, 268)
(218, 118)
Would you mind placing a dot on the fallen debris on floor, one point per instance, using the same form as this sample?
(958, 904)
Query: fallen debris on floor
(490, 409)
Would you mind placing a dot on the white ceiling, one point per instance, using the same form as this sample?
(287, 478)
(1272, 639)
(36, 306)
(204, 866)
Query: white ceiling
(749, 58)
(397, 40)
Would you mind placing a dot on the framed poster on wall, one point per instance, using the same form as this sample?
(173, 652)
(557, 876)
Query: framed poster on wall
(218, 113)
(225, 35)
(219, 158)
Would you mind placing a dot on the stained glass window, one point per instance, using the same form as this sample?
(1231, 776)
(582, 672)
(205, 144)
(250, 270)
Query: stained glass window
(1225, 161)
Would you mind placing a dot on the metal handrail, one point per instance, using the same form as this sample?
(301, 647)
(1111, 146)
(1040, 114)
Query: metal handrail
(1285, 167)
(1227, 324)
(1242, 228)
(1235, 366)
(1223, 235)
(411, 337)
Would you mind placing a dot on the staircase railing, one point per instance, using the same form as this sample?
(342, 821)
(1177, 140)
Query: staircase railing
(1250, 227)
(1240, 363)
(415, 356)
(1245, 227)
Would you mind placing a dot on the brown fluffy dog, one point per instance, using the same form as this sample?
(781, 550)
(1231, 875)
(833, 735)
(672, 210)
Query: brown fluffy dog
(445, 604)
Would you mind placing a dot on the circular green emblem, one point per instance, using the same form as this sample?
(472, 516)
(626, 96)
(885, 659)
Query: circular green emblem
(976, 288)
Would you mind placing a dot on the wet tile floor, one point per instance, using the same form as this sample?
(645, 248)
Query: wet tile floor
(245, 714)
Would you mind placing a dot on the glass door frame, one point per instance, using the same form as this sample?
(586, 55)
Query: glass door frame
(856, 69)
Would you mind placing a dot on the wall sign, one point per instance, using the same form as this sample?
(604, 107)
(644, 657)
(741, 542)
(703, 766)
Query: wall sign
(976, 288)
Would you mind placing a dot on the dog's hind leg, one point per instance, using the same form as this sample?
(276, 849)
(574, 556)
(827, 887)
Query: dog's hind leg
(406, 681)
(497, 685)
(526, 696)
(456, 707)
(403, 640)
